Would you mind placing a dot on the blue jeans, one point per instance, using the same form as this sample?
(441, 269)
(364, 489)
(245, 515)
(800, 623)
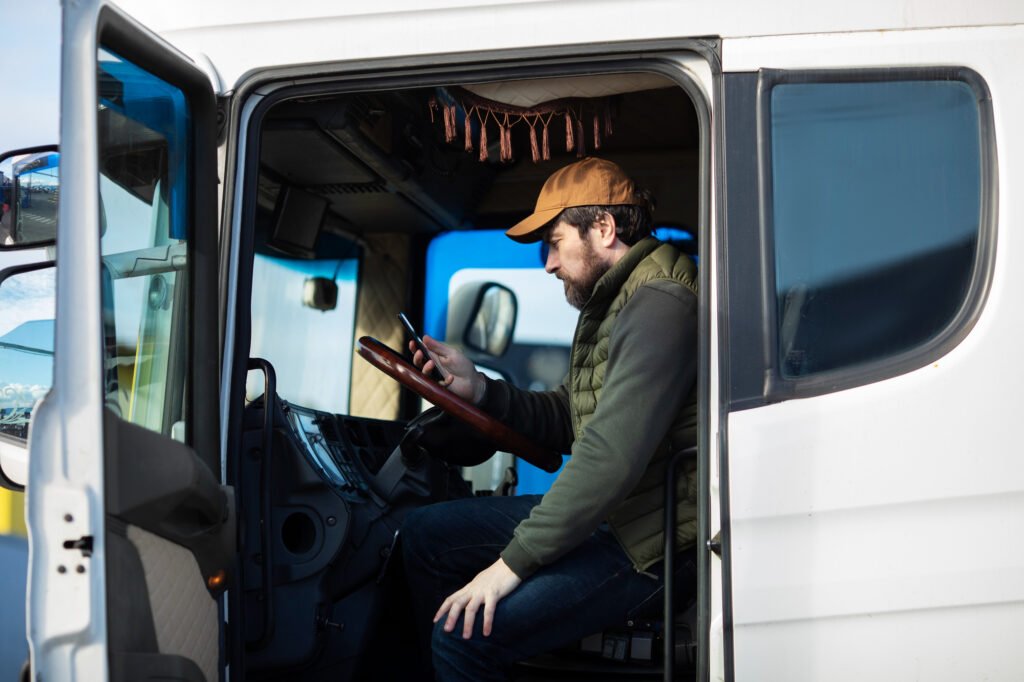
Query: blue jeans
(592, 587)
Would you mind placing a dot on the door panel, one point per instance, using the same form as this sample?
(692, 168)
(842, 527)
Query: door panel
(131, 531)
(857, 498)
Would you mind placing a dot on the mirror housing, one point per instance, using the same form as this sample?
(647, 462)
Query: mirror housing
(29, 193)
(320, 293)
(27, 300)
(492, 320)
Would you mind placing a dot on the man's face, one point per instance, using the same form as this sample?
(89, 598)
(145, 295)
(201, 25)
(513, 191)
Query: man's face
(575, 261)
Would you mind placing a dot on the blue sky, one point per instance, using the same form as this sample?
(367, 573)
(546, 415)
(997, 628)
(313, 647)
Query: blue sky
(30, 52)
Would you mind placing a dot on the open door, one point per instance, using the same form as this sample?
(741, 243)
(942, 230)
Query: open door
(131, 534)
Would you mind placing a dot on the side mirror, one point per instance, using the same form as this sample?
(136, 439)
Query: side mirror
(29, 192)
(27, 299)
(492, 320)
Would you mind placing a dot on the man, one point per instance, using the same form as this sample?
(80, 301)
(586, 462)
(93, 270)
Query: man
(549, 570)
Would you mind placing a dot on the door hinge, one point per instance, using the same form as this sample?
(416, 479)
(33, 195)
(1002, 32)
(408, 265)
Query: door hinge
(715, 544)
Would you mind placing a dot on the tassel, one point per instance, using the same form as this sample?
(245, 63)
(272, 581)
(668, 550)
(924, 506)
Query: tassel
(449, 123)
(468, 132)
(569, 143)
(545, 144)
(534, 148)
(508, 143)
(501, 143)
(597, 132)
(432, 105)
(581, 141)
(607, 118)
(484, 155)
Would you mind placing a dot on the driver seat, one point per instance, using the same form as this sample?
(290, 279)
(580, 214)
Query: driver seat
(631, 650)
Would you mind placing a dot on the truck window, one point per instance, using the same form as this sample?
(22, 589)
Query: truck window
(876, 207)
(143, 148)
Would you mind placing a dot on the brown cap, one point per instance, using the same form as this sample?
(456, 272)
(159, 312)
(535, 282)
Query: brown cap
(590, 182)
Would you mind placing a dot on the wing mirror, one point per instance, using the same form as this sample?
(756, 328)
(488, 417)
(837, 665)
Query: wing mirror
(29, 192)
(492, 320)
(27, 299)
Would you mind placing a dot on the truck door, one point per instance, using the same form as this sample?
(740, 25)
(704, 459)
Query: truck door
(865, 457)
(131, 534)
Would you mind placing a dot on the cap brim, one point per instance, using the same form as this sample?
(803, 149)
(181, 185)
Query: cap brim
(528, 230)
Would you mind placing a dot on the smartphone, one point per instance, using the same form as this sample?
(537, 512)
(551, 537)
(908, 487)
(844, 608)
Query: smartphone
(437, 373)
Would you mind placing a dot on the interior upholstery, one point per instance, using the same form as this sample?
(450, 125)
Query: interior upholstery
(184, 612)
(382, 286)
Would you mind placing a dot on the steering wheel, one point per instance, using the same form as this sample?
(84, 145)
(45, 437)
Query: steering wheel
(407, 374)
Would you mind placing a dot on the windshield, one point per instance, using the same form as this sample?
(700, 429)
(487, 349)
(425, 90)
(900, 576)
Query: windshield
(310, 349)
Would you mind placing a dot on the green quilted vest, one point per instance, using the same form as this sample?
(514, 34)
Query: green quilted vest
(639, 519)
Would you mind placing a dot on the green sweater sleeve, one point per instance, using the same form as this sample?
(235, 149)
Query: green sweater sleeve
(543, 416)
(652, 363)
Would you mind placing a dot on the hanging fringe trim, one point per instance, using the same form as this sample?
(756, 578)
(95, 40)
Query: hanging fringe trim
(545, 149)
(506, 116)
(449, 122)
(484, 152)
(505, 130)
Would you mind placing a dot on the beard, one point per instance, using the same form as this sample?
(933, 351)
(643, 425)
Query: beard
(579, 289)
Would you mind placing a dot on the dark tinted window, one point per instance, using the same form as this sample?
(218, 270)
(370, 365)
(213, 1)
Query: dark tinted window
(876, 210)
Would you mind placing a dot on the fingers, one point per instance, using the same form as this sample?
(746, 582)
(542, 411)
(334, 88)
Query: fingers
(488, 588)
(417, 354)
(453, 606)
(489, 607)
(467, 605)
(445, 606)
(435, 346)
(427, 364)
(470, 616)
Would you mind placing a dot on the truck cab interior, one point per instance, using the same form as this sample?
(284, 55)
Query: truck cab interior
(370, 201)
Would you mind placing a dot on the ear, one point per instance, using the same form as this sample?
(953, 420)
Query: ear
(606, 230)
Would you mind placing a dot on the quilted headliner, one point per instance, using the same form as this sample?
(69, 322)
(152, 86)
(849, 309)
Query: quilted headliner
(528, 93)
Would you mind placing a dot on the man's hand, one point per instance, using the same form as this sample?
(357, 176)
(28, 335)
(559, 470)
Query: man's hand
(463, 379)
(490, 586)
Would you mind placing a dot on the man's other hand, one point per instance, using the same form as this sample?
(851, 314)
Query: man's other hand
(490, 586)
(463, 378)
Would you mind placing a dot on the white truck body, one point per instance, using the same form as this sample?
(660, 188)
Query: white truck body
(868, 529)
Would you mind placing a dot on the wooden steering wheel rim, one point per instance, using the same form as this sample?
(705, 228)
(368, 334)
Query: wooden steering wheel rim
(404, 372)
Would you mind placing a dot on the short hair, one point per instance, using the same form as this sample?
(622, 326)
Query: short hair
(633, 222)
